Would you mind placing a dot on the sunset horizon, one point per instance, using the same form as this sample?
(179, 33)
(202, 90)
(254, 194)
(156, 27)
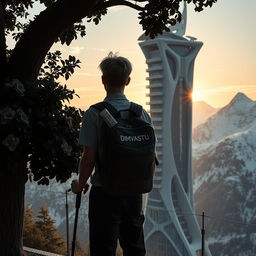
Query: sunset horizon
(224, 66)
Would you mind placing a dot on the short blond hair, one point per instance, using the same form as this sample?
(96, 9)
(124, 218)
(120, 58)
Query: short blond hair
(116, 69)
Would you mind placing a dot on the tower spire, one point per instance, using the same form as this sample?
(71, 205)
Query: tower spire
(180, 27)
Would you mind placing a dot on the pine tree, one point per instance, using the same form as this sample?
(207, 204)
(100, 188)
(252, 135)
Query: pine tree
(41, 233)
(31, 234)
(50, 241)
(28, 226)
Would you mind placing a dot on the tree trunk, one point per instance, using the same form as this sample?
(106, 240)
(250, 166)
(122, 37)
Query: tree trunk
(12, 189)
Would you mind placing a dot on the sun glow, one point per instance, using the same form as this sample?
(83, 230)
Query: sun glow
(197, 96)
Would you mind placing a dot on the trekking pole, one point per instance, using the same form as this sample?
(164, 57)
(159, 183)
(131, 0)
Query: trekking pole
(203, 234)
(67, 223)
(78, 203)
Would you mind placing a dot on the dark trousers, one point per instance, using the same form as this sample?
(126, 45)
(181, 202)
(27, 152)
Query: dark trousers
(112, 218)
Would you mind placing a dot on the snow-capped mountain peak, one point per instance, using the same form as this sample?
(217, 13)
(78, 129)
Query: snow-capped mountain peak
(239, 104)
(237, 116)
(241, 97)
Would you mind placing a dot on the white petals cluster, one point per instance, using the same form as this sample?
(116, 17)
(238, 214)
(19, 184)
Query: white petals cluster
(6, 114)
(17, 86)
(22, 116)
(67, 149)
(11, 142)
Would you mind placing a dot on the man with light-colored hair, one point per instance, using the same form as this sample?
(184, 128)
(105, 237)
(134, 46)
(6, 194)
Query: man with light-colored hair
(111, 218)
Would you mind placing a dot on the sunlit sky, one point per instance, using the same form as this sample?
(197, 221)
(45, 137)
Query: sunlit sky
(225, 65)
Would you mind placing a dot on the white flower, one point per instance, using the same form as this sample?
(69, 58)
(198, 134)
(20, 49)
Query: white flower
(23, 117)
(6, 114)
(11, 142)
(66, 148)
(17, 85)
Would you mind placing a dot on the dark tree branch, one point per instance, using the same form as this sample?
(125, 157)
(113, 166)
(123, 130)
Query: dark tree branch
(121, 2)
(2, 42)
(31, 49)
(140, 1)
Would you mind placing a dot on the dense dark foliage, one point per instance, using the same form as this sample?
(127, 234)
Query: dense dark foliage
(37, 124)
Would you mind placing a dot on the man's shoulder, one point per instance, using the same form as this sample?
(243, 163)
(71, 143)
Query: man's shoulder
(91, 113)
(145, 115)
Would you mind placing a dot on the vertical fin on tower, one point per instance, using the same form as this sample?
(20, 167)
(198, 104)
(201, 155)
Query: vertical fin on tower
(180, 27)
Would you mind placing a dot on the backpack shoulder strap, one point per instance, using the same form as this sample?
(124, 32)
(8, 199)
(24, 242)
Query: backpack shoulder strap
(136, 109)
(102, 105)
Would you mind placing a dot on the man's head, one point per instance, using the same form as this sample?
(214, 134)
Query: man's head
(116, 72)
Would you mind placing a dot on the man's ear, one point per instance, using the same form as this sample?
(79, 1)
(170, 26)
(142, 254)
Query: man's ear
(128, 81)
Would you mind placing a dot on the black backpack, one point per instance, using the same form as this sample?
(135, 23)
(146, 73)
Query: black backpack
(126, 155)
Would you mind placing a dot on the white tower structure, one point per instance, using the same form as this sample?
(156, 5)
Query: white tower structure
(171, 228)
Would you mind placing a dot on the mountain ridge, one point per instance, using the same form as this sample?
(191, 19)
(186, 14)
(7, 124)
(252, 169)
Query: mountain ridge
(228, 120)
(200, 112)
(224, 170)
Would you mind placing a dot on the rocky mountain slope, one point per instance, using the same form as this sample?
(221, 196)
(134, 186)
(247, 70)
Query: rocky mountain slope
(224, 167)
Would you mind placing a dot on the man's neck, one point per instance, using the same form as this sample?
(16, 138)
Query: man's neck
(115, 91)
